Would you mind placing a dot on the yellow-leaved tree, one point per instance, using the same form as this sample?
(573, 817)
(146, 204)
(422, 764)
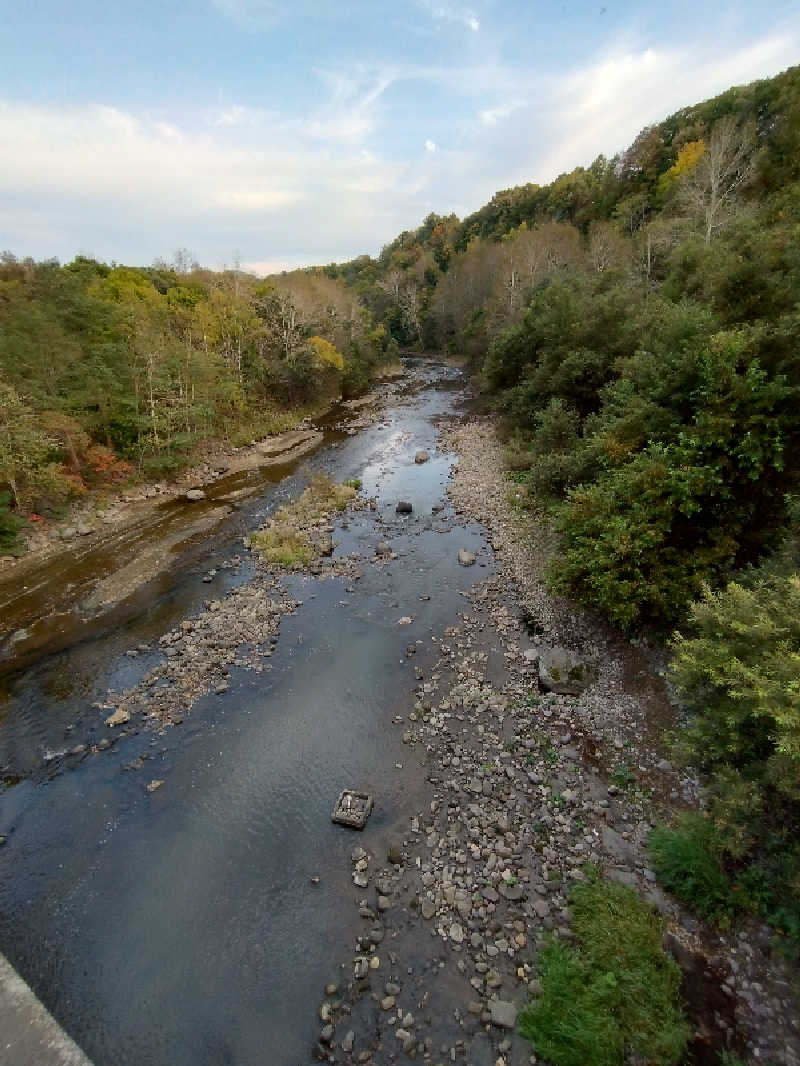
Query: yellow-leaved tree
(325, 353)
(688, 158)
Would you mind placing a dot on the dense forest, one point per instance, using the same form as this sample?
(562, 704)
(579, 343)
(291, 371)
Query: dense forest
(635, 324)
(113, 372)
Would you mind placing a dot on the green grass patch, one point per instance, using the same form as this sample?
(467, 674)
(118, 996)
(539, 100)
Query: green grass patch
(615, 995)
(283, 547)
(288, 540)
(687, 859)
(692, 862)
(623, 776)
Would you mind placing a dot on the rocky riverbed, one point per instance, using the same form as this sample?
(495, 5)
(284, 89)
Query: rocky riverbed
(524, 787)
(208, 908)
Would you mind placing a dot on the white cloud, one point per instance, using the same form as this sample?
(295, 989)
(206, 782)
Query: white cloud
(601, 107)
(294, 188)
(351, 111)
(490, 116)
(134, 188)
(454, 13)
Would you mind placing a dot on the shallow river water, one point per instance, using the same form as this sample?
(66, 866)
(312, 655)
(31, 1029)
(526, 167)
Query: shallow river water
(182, 926)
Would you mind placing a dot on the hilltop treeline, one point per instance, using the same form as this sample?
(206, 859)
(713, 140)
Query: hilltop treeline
(112, 371)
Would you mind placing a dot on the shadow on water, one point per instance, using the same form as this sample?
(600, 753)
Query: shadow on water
(181, 926)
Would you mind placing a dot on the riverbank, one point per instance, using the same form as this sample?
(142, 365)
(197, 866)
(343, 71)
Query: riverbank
(114, 508)
(524, 787)
(104, 554)
(407, 663)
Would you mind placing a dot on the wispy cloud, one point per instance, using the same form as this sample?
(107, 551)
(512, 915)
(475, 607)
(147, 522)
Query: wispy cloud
(351, 110)
(490, 116)
(454, 13)
(302, 182)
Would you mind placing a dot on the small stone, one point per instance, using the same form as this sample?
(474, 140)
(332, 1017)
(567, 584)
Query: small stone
(421, 456)
(404, 507)
(466, 558)
(513, 893)
(154, 785)
(456, 933)
(195, 495)
(664, 765)
(428, 909)
(119, 717)
(388, 1002)
(503, 1014)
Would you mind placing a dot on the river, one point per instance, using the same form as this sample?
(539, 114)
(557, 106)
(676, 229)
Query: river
(183, 926)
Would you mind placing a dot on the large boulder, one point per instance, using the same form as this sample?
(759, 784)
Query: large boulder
(562, 672)
(421, 456)
(404, 507)
(195, 495)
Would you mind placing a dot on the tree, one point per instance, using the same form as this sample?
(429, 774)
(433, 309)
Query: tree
(23, 446)
(710, 189)
(607, 248)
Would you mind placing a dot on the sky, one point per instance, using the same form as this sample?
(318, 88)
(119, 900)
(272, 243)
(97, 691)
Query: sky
(283, 133)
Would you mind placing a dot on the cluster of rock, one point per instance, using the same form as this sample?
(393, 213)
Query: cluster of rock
(524, 739)
(238, 630)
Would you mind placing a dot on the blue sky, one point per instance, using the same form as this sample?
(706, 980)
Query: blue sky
(288, 133)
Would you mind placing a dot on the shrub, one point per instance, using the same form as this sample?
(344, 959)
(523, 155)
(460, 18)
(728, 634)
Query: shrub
(740, 673)
(11, 525)
(629, 547)
(641, 541)
(615, 995)
(687, 859)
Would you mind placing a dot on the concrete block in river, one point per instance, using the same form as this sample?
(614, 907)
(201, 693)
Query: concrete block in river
(352, 809)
